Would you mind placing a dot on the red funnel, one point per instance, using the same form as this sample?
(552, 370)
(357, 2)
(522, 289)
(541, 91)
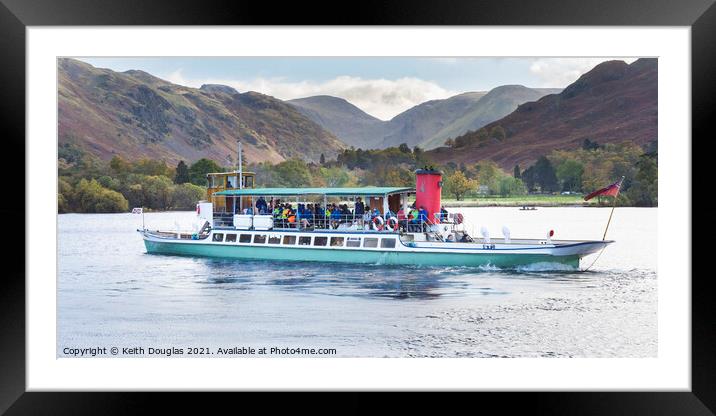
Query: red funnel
(428, 186)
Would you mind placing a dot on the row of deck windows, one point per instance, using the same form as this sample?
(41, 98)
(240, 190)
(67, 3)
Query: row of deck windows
(290, 240)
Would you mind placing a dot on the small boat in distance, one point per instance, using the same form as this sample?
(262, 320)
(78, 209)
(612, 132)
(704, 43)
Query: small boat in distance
(316, 224)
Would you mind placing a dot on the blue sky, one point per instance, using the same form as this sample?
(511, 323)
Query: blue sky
(383, 87)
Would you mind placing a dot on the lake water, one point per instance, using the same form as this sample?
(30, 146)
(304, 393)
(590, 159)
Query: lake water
(111, 293)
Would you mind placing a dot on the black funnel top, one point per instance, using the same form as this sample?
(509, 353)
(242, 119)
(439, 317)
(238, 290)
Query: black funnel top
(428, 170)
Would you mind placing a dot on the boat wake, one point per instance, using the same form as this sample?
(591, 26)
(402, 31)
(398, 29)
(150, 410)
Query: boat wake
(489, 268)
(528, 268)
(546, 267)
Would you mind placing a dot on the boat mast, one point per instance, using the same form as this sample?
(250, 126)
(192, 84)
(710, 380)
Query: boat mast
(241, 176)
(241, 181)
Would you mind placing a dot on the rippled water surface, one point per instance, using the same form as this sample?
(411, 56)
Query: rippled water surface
(111, 293)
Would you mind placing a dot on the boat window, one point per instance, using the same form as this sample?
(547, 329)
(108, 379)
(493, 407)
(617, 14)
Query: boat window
(289, 240)
(370, 242)
(245, 238)
(353, 242)
(304, 241)
(230, 238)
(387, 243)
(337, 242)
(274, 239)
(260, 238)
(218, 237)
(320, 241)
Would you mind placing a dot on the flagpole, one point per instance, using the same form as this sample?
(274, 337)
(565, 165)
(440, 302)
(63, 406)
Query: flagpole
(604, 237)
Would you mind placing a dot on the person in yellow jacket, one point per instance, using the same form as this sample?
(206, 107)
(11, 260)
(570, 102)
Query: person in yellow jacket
(284, 215)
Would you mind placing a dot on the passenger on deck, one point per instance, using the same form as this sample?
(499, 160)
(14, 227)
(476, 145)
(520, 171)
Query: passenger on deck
(320, 216)
(443, 214)
(359, 210)
(292, 217)
(335, 216)
(261, 205)
(314, 217)
(300, 214)
(402, 218)
(413, 219)
(366, 217)
(423, 218)
(285, 214)
(310, 214)
(328, 211)
(346, 214)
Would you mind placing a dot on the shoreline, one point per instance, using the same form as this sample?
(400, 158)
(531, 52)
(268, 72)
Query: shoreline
(477, 204)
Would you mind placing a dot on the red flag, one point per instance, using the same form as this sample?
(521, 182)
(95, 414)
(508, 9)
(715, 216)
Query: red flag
(611, 190)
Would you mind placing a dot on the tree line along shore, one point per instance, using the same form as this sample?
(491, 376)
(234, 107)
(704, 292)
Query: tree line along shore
(88, 184)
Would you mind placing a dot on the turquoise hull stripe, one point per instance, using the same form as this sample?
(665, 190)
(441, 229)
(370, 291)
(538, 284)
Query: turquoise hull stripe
(356, 256)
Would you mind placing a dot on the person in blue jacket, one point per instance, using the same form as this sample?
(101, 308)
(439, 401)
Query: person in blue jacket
(320, 215)
(423, 217)
(335, 216)
(389, 214)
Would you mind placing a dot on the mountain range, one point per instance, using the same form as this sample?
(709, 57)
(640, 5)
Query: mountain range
(615, 102)
(137, 115)
(427, 125)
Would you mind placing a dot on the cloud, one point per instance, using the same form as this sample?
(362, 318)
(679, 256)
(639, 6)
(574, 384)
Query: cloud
(381, 98)
(560, 72)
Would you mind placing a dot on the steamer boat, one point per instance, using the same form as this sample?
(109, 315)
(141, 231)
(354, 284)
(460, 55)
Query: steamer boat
(240, 221)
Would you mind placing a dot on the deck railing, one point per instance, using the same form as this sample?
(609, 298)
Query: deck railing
(353, 222)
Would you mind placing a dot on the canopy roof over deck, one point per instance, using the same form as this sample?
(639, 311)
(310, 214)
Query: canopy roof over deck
(365, 191)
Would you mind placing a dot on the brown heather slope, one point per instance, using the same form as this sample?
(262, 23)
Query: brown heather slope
(615, 102)
(136, 115)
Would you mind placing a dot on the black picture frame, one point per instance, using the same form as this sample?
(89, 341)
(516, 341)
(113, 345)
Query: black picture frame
(16, 15)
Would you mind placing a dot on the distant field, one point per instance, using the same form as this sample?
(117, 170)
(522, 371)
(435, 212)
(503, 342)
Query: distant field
(519, 200)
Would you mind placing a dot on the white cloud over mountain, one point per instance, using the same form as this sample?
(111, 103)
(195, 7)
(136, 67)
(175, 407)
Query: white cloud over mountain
(386, 98)
(381, 98)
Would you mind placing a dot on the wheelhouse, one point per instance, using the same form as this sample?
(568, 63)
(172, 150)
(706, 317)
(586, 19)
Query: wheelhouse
(222, 181)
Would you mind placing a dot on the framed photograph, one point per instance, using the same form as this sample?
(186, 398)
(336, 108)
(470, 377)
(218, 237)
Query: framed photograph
(448, 199)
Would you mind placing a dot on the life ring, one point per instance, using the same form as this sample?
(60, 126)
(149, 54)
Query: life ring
(458, 218)
(393, 223)
(378, 223)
